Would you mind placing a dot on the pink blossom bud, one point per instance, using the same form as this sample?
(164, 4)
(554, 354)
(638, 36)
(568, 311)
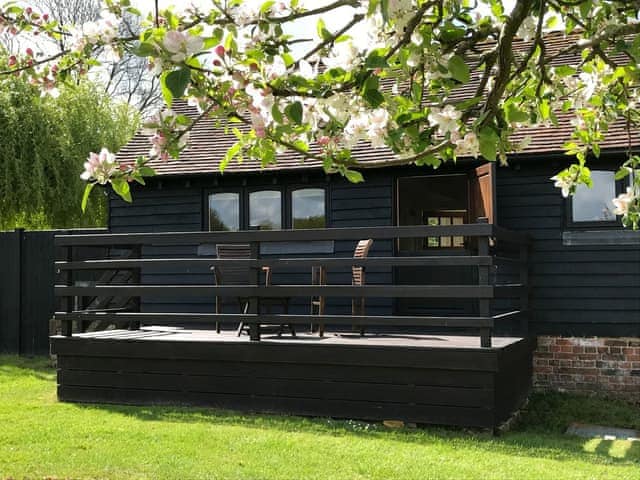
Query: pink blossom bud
(45, 17)
(324, 140)
(29, 52)
(217, 63)
(12, 60)
(219, 50)
(28, 10)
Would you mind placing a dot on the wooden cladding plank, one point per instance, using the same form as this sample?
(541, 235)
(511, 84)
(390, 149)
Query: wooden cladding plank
(285, 388)
(425, 376)
(276, 352)
(439, 415)
(10, 292)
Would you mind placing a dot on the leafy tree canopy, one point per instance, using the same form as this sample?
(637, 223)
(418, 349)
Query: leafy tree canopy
(321, 96)
(45, 141)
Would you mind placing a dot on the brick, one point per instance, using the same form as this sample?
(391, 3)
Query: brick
(590, 350)
(616, 343)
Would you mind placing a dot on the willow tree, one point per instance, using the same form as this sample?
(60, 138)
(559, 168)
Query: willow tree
(43, 139)
(236, 60)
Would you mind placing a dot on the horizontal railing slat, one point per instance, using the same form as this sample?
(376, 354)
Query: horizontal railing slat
(195, 238)
(164, 319)
(386, 291)
(114, 264)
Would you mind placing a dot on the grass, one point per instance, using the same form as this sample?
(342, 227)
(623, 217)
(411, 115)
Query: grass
(41, 438)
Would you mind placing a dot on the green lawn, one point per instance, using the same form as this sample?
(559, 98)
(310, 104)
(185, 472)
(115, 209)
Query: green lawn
(41, 438)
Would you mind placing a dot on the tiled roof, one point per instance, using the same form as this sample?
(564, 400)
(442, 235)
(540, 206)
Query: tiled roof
(208, 143)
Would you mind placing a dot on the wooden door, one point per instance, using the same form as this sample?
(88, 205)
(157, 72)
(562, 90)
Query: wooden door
(482, 193)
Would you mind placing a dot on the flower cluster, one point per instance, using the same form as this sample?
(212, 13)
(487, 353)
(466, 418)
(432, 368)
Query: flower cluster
(168, 134)
(100, 167)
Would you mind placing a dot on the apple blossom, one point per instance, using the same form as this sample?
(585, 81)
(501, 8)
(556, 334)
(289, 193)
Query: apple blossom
(622, 202)
(100, 167)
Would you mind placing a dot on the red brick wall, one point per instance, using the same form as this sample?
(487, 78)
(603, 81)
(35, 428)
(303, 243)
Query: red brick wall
(609, 366)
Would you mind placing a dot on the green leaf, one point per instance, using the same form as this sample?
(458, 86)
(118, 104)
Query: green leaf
(85, 196)
(459, 69)
(376, 60)
(323, 33)
(177, 81)
(145, 49)
(514, 114)
(121, 187)
(564, 70)
(373, 98)
(622, 173)
(488, 139)
(266, 6)
(147, 171)
(294, 112)
(166, 92)
(354, 176)
(276, 113)
(232, 152)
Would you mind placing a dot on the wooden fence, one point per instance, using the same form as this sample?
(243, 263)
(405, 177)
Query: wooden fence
(27, 277)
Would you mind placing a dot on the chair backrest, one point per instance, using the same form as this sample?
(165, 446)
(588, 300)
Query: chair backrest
(233, 274)
(361, 251)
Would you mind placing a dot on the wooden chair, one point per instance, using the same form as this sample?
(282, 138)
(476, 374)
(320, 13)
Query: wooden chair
(238, 274)
(358, 279)
(319, 277)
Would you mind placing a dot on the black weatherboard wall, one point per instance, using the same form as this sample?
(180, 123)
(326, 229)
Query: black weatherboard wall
(578, 290)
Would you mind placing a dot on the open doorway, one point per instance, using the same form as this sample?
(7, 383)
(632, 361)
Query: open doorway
(453, 199)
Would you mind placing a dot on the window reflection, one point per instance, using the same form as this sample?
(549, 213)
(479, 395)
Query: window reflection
(265, 210)
(224, 212)
(595, 204)
(308, 208)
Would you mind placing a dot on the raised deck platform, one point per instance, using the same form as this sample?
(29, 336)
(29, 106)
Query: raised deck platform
(447, 380)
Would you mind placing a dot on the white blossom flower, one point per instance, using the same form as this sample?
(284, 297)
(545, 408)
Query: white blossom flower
(468, 145)
(305, 69)
(276, 69)
(446, 118)
(378, 121)
(100, 166)
(527, 30)
(563, 183)
(623, 201)
(344, 55)
(181, 45)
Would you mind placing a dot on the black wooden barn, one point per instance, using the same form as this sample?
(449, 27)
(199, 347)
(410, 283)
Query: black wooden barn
(470, 263)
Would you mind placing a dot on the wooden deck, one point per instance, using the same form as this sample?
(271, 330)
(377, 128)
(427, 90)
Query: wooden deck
(430, 379)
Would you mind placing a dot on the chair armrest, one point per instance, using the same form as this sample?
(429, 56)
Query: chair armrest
(267, 275)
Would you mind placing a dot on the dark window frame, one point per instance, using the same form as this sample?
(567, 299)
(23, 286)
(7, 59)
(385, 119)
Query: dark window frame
(286, 208)
(303, 186)
(570, 224)
(211, 191)
(264, 188)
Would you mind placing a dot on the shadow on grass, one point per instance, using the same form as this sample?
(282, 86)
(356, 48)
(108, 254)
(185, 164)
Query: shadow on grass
(539, 441)
(539, 434)
(16, 366)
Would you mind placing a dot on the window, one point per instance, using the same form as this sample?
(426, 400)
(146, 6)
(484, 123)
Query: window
(265, 210)
(308, 208)
(594, 205)
(444, 217)
(224, 211)
(246, 208)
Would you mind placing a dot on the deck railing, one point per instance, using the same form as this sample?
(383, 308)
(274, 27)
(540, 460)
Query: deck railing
(491, 246)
